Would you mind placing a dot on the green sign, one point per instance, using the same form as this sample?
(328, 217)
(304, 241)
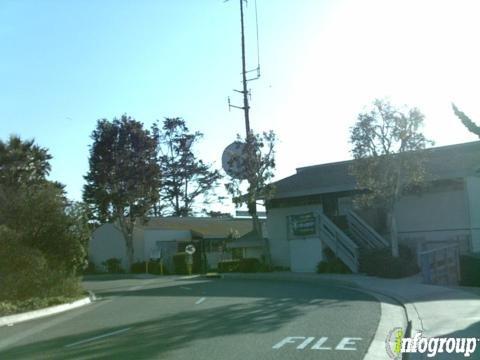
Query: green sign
(303, 224)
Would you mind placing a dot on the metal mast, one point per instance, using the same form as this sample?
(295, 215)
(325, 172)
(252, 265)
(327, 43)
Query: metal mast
(244, 91)
(246, 107)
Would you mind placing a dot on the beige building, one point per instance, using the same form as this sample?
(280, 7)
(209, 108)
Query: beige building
(313, 209)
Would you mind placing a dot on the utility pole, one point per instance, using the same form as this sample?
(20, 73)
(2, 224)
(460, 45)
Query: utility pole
(246, 107)
(249, 141)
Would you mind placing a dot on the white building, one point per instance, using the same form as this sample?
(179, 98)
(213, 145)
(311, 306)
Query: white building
(313, 209)
(163, 237)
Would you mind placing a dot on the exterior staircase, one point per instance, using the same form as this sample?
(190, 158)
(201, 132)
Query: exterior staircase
(347, 235)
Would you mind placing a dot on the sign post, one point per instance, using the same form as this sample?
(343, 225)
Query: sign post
(190, 250)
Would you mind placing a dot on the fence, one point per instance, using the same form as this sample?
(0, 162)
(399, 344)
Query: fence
(441, 266)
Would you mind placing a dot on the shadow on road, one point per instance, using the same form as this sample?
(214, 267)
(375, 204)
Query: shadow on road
(156, 338)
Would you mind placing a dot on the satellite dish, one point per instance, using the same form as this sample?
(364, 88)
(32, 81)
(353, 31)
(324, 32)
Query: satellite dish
(232, 160)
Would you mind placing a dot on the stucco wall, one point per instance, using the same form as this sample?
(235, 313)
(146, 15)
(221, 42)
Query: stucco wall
(254, 253)
(278, 237)
(151, 236)
(107, 242)
(434, 216)
(305, 254)
(473, 191)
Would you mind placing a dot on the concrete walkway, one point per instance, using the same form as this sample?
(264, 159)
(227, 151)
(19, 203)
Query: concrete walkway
(436, 311)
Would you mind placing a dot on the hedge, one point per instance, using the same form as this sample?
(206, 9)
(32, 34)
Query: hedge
(470, 270)
(240, 265)
(249, 265)
(113, 266)
(380, 262)
(181, 267)
(229, 265)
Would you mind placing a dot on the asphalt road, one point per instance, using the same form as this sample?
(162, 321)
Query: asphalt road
(179, 318)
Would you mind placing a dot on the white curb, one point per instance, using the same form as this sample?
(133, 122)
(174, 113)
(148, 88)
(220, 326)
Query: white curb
(35, 314)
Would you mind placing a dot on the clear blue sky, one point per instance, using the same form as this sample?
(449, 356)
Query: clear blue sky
(65, 64)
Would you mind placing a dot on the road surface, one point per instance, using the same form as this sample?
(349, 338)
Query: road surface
(191, 318)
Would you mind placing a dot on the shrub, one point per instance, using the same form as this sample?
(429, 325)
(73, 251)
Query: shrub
(470, 270)
(249, 265)
(155, 267)
(26, 274)
(242, 265)
(332, 266)
(138, 267)
(90, 269)
(113, 266)
(179, 263)
(229, 265)
(281, 268)
(24, 271)
(380, 262)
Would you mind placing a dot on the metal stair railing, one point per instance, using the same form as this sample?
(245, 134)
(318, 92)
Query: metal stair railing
(364, 233)
(343, 247)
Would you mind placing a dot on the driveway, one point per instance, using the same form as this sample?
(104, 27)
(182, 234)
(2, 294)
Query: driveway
(191, 318)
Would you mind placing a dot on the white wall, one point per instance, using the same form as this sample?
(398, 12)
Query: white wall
(473, 192)
(107, 242)
(435, 216)
(151, 236)
(305, 254)
(256, 252)
(214, 257)
(278, 237)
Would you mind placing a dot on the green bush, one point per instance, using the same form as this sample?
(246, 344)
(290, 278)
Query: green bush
(249, 265)
(24, 271)
(90, 269)
(281, 268)
(26, 274)
(331, 264)
(179, 263)
(113, 266)
(242, 265)
(155, 267)
(380, 262)
(232, 265)
(138, 267)
(470, 270)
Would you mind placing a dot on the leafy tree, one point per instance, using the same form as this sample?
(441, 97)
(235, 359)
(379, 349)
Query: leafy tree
(385, 145)
(185, 178)
(41, 215)
(42, 246)
(257, 164)
(124, 177)
(22, 162)
(469, 124)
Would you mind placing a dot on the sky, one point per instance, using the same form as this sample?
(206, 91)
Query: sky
(66, 64)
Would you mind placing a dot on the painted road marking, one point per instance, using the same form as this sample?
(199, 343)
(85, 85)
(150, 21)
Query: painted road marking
(135, 288)
(98, 337)
(189, 277)
(199, 301)
(347, 343)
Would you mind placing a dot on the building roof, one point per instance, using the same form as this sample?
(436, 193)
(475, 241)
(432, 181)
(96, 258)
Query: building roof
(249, 240)
(446, 162)
(202, 226)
